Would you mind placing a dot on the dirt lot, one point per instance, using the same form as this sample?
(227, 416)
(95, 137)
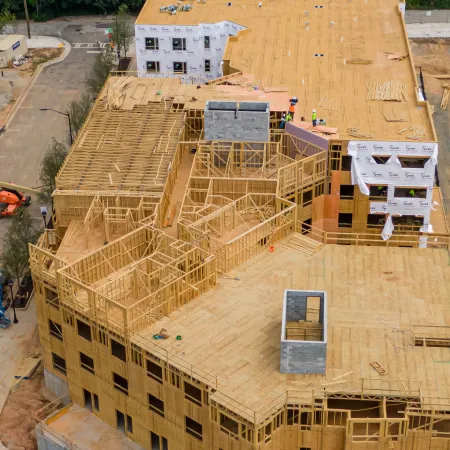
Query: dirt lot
(433, 55)
(16, 421)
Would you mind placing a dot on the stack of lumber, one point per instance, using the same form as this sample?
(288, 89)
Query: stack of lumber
(388, 91)
(115, 95)
(302, 244)
(359, 61)
(445, 96)
(28, 367)
(324, 130)
(413, 132)
(397, 56)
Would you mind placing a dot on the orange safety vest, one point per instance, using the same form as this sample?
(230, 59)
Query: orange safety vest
(292, 109)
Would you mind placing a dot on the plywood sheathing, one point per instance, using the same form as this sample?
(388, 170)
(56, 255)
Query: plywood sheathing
(241, 344)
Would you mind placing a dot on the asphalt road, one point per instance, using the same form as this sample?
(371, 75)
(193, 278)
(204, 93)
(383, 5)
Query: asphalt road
(31, 131)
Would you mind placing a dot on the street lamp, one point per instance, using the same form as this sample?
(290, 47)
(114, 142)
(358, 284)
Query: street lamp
(64, 114)
(10, 284)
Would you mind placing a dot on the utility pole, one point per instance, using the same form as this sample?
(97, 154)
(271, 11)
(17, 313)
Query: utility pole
(118, 34)
(27, 18)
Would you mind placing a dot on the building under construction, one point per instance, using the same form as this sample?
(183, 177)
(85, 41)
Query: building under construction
(214, 281)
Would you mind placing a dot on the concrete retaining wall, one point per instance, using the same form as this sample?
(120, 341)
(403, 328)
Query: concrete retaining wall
(57, 386)
(45, 441)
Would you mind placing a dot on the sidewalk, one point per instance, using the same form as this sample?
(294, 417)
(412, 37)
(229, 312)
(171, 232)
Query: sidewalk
(428, 30)
(430, 16)
(45, 42)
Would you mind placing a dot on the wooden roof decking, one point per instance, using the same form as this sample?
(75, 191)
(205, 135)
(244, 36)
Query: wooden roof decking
(123, 150)
(375, 297)
(278, 48)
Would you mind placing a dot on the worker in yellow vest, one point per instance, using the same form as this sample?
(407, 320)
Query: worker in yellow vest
(314, 118)
(412, 193)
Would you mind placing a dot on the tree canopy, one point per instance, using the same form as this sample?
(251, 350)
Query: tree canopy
(46, 9)
(50, 165)
(78, 111)
(8, 22)
(103, 64)
(122, 30)
(21, 231)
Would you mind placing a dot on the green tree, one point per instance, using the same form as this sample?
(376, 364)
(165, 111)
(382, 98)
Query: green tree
(122, 29)
(50, 165)
(22, 231)
(8, 22)
(78, 111)
(104, 63)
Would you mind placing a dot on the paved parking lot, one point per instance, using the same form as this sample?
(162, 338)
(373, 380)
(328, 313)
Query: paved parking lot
(31, 131)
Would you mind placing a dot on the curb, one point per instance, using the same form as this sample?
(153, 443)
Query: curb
(41, 67)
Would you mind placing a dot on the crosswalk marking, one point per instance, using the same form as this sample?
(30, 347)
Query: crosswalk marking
(84, 45)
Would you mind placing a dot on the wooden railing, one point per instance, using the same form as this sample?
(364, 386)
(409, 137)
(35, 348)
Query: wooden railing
(398, 239)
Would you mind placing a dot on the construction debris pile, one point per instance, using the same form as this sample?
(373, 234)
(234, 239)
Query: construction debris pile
(414, 133)
(21, 59)
(329, 104)
(172, 9)
(388, 91)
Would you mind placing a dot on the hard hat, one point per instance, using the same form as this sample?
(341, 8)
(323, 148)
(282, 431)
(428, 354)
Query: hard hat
(314, 110)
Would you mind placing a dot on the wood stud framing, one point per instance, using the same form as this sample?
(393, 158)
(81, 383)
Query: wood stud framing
(109, 265)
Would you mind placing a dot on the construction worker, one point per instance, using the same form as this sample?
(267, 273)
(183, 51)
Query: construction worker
(412, 192)
(283, 121)
(292, 110)
(288, 117)
(382, 190)
(322, 122)
(314, 117)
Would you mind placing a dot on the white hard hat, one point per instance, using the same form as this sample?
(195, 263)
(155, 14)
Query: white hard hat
(314, 110)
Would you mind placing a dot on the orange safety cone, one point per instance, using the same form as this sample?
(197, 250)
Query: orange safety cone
(271, 249)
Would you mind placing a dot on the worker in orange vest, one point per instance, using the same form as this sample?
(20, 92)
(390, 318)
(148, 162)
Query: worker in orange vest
(292, 110)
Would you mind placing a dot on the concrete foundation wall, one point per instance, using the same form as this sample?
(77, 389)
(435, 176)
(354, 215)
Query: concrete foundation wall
(46, 441)
(228, 121)
(55, 385)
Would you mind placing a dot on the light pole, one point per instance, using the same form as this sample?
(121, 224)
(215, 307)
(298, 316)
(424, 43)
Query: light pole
(64, 114)
(25, 7)
(10, 284)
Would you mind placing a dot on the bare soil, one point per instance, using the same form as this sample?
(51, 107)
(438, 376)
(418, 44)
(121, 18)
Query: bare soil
(433, 55)
(17, 426)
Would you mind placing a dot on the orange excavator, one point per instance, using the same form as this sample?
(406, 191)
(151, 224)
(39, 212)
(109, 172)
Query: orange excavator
(11, 198)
